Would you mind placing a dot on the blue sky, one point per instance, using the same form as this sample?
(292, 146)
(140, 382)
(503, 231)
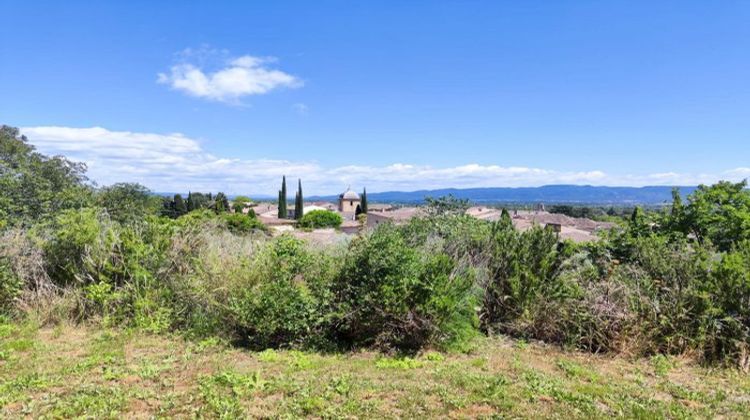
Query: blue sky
(389, 95)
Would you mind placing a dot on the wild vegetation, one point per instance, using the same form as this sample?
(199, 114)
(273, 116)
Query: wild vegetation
(661, 284)
(320, 219)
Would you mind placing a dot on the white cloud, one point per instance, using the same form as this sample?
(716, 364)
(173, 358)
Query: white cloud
(240, 76)
(174, 162)
(739, 173)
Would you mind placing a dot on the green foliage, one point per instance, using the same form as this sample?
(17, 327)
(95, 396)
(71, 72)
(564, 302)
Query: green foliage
(446, 205)
(283, 306)
(127, 203)
(282, 199)
(299, 203)
(393, 296)
(190, 202)
(321, 219)
(180, 207)
(197, 201)
(10, 286)
(728, 314)
(221, 203)
(667, 283)
(34, 186)
(720, 214)
(240, 202)
(243, 223)
(522, 268)
(363, 203)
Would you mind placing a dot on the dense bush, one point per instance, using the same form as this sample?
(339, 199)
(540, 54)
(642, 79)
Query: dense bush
(282, 304)
(243, 223)
(727, 301)
(391, 295)
(317, 219)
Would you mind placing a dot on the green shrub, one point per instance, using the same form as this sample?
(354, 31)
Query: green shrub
(391, 295)
(241, 223)
(114, 265)
(282, 305)
(317, 219)
(10, 286)
(74, 235)
(522, 268)
(728, 316)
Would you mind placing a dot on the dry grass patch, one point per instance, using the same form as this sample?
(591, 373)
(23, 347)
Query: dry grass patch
(68, 371)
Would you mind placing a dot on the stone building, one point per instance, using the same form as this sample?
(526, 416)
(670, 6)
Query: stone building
(349, 202)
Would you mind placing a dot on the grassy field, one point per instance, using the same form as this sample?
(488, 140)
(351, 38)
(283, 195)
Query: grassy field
(94, 372)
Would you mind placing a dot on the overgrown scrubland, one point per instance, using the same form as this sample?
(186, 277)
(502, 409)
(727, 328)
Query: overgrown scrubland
(663, 284)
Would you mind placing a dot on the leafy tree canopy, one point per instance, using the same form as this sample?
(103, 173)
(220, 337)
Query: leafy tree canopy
(128, 202)
(719, 213)
(446, 205)
(239, 203)
(33, 185)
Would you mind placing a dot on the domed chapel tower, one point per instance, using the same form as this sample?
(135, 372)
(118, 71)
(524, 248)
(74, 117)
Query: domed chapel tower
(349, 201)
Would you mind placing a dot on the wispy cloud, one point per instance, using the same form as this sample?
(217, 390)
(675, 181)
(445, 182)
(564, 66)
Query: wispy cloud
(236, 77)
(175, 162)
(301, 109)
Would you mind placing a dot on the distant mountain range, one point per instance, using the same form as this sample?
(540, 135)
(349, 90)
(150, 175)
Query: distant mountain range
(548, 194)
(568, 194)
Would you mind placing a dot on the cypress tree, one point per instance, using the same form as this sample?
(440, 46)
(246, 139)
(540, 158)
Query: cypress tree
(296, 205)
(299, 203)
(363, 204)
(638, 223)
(282, 199)
(179, 206)
(190, 206)
(504, 215)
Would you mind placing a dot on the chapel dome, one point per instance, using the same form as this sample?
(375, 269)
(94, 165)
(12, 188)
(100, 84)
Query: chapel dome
(349, 195)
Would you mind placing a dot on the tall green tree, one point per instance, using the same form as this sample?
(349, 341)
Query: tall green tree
(446, 205)
(190, 205)
(127, 202)
(363, 203)
(720, 213)
(201, 201)
(505, 217)
(282, 199)
(35, 186)
(180, 208)
(221, 204)
(299, 202)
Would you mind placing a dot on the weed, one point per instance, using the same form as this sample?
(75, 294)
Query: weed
(398, 363)
(269, 355)
(662, 364)
(575, 370)
(433, 356)
(91, 402)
